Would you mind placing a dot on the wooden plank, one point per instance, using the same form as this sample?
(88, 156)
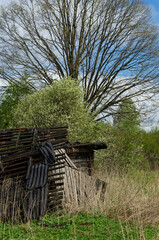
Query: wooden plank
(54, 194)
(20, 174)
(81, 187)
(73, 183)
(66, 185)
(55, 185)
(56, 164)
(56, 174)
(77, 184)
(13, 169)
(56, 168)
(54, 198)
(68, 160)
(69, 185)
(66, 190)
(58, 179)
(56, 191)
(17, 164)
(55, 203)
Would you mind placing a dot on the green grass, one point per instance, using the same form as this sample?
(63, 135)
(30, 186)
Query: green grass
(80, 226)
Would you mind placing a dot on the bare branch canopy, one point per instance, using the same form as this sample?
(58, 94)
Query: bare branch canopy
(110, 46)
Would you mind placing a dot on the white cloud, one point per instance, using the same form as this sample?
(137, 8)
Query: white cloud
(147, 104)
(3, 83)
(2, 2)
(150, 117)
(155, 14)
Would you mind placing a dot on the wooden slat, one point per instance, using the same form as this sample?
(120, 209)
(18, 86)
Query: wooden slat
(53, 198)
(55, 190)
(55, 168)
(55, 203)
(52, 185)
(20, 174)
(73, 183)
(17, 164)
(57, 164)
(58, 179)
(56, 174)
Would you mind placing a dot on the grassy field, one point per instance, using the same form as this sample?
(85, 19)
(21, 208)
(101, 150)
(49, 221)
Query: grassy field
(78, 226)
(130, 211)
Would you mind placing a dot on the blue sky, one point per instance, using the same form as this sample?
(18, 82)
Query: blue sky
(154, 5)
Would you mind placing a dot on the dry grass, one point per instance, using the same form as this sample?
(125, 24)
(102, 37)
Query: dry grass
(13, 200)
(134, 196)
(9, 200)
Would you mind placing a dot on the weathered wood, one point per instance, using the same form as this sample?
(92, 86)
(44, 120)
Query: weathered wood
(57, 163)
(66, 184)
(56, 174)
(56, 168)
(58, 179)
(80, 188)
(17, 148)
(56, 190)
(54, 198)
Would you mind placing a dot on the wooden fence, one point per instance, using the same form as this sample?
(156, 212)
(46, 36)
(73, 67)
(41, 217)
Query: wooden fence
(72, 186)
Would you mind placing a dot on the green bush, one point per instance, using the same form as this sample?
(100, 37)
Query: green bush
(10, 97)
(124, 152)
(62, 104)
(151, 147)
(124, 140)
(57, 105)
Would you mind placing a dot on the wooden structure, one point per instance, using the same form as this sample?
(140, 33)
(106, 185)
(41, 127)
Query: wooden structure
(78, 187)
(82, 155)
(19, 156)
(28, 186)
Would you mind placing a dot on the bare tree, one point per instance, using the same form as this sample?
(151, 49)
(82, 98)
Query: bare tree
(110, 46)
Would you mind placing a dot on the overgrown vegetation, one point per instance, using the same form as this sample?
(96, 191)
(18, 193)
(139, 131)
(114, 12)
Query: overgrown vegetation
(151, 147)
(130, 208)
(130, 211)
(60, 104)
(129, 147)
(95, 42)
(125, 147)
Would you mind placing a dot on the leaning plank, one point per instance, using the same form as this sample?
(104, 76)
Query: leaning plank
(81, 188)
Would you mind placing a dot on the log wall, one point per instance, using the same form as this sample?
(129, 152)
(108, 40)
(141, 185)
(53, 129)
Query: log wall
(65, 185)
